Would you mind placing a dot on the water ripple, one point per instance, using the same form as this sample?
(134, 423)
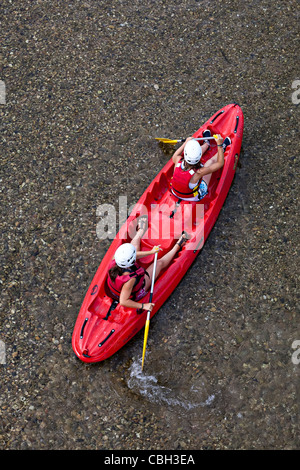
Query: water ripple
(148, 386)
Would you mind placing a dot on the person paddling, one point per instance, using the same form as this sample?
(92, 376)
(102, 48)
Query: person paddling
(130, 282)
(191, 178)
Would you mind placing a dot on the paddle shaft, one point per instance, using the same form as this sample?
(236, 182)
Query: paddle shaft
(152, 284)
(175, 141)
(149, 311)
(153, 277)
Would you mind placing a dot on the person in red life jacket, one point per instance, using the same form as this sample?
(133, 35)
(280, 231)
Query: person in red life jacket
(130, 282)
(191, 178)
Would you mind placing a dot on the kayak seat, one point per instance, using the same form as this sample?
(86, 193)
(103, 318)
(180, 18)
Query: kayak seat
(160, 188)
(103, 306)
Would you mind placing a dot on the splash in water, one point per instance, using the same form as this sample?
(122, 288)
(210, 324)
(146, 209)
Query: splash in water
(148, 386)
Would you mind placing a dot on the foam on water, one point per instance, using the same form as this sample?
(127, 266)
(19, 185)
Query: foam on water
(148, 386)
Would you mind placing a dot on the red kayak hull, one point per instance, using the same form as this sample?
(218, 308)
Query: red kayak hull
(103, 326)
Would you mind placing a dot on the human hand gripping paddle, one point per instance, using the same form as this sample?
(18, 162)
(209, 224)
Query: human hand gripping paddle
(147, 324)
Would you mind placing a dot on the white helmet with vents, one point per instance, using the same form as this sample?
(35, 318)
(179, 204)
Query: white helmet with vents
(192, 152)
(125, 255)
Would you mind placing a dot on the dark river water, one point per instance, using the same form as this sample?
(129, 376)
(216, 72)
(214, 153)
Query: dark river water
(88, 85)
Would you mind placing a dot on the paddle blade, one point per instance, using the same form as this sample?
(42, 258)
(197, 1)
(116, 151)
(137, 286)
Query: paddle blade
(167, 141)
(147, 324)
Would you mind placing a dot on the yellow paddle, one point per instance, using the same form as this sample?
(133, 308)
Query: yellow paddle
(176, 141)
(147, 324)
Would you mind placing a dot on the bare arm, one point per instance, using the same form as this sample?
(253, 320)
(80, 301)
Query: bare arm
(212, 165)
(177, 155)
(140, 254)
(125, 301)
(206, 170)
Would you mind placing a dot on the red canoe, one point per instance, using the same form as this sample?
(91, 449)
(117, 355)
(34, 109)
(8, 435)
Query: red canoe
(103, 326)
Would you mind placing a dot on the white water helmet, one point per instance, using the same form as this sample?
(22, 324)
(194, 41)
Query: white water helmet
(125, 255)
(192, 152)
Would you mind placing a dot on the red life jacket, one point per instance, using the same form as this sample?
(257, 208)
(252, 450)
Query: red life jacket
(179, 184)
(136, 272)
